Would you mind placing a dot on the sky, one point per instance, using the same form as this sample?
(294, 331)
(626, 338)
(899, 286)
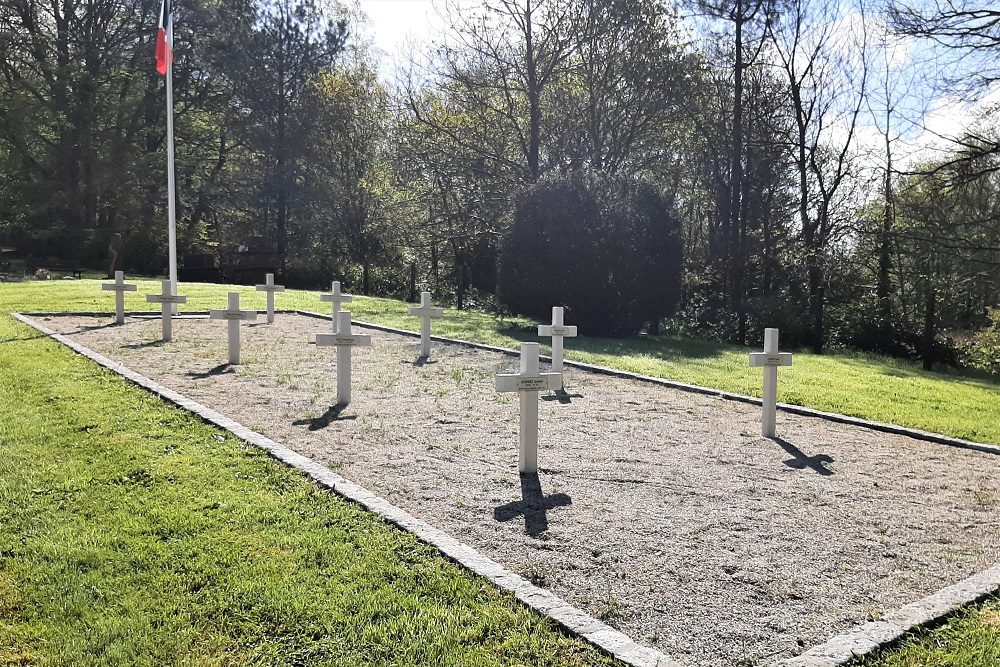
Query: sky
(396, 26)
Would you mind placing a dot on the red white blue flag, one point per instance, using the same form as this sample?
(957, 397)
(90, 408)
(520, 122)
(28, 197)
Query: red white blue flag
(165, 38)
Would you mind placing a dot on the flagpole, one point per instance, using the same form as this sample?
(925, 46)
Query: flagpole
(171, 203)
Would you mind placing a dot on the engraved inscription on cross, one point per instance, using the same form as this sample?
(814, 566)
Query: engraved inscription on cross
(168, 301)
(425, 312)
(119, 286)
(557, 330)
(234, 316)
(527, 383)
(770, 359)
(335, 297)
(270, 288)
(344, 341)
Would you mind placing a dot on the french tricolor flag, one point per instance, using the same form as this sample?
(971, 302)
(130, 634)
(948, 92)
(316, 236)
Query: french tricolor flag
(165, 38)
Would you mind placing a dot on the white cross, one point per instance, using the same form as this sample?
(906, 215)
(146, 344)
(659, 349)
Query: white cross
(769, 360)
(336, 297)
(120, 287)
(343, 340)
(270, 288)
(425, 312)
(168, 301)
(527, 383)
(234, 316)
(558, 331)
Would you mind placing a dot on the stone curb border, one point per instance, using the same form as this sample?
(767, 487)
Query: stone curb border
(576, 621)
(869, 637)
(707, 391)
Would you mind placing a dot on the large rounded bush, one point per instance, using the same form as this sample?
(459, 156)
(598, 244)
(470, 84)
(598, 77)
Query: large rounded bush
(609, 250)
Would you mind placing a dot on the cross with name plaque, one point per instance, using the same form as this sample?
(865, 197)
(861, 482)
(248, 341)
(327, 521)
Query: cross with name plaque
(234, 316)
(344, 341)
(168, 302)
(270, 288)
(119, 286)
(527, 383)
(557, 330)
(770, 359)
(425, 311)
(335, 297)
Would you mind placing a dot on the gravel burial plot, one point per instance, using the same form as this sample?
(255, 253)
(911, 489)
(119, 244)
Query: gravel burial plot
(660, 511)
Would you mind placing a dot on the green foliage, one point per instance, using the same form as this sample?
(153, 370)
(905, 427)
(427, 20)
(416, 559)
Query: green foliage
(982, 350)
(606, 248)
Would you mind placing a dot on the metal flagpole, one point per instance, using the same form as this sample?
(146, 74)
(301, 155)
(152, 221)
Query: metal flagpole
(171, 204)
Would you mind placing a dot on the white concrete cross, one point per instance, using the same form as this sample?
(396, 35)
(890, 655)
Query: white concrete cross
(769, 360)
(120, 287)
(336, 297)
(425, 312)
(558, 331)
(527, 383)
(343, 340)
(168, 301)
(270, 288)
(234, 316)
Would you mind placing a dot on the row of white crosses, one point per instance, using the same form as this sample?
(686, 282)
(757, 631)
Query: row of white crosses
(528, 382)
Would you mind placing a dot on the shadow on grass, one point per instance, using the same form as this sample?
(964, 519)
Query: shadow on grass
(22, 338)
(327, 418)
(221, 369)
(800, 461)
(533, 505)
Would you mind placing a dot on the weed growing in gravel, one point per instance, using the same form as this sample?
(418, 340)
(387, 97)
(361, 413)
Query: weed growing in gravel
(985, 499)
(611, 610)
(536, 574)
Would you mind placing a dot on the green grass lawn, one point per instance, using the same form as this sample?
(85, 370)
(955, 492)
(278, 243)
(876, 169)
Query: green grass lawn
(859, 385)
(133, 534)
(969, 639)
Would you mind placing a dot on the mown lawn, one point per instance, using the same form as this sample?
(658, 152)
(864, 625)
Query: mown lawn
(867, 386)
(970, 639)
(131, 533)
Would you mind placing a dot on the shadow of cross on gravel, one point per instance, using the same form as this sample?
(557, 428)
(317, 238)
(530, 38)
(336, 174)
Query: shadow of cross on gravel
(217, 370)
(562, 396)
(325, 419)
(800, 461)
(533, 505)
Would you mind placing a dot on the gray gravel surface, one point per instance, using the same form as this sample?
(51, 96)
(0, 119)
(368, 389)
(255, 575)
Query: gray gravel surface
(659, 511)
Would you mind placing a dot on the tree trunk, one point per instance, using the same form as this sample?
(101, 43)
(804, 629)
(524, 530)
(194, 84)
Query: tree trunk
(930, 325)
(412, 297)
(534, 95)
(816, 295)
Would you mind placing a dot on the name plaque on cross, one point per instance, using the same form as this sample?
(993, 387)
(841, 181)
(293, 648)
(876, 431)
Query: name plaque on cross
(425, 311)
(770, 360)
(527, 382)
(336, 340)
(119, 287)
(270, 288)
(344, 341)
(167, 300)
